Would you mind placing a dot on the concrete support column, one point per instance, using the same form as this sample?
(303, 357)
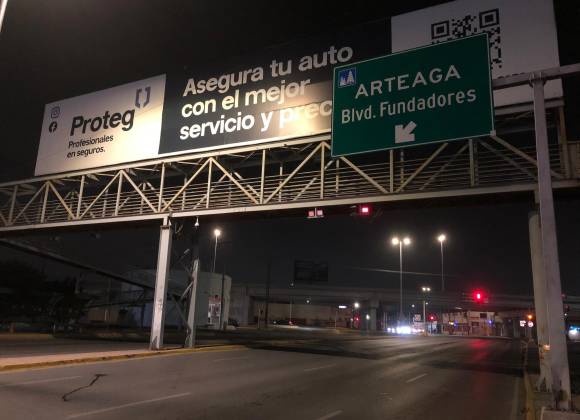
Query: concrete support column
(372, 323)
(194, 280)
(163, 266)
(558, 352)
(373, 320)
(190, 340)
(539, 298)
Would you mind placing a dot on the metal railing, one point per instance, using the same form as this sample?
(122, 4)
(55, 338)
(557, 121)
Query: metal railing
(286, 175)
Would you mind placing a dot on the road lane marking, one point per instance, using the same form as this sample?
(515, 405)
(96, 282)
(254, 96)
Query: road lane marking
(415, 378)
(229, 358)
(319, 367)
(40, 381)
(515, 400)
(133, 404)
(330, 415)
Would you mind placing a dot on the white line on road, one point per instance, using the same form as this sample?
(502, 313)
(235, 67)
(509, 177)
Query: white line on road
(516, 398)
(415, 378)
(330, 415)
(319, 367)
(40, 381)
(133, 404)
(230, 358)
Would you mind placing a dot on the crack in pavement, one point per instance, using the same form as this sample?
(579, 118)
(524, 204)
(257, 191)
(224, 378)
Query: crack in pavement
(95, 379)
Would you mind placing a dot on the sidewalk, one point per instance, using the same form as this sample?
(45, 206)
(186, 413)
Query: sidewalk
(538, 401)
(23, 351)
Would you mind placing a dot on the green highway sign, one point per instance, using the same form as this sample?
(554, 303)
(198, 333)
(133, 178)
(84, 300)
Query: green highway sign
(432, 94)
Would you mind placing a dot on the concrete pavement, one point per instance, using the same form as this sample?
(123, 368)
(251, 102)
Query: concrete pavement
(394, 377)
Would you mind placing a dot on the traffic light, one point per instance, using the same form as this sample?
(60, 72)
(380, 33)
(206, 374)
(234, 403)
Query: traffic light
(432, 317)
(478, 296)
(530, 316)
(364, 210)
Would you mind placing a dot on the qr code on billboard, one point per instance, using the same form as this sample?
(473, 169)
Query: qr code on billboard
(487, 21)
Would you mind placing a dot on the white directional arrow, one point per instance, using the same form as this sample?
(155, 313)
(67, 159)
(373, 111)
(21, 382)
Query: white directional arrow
(405, 134)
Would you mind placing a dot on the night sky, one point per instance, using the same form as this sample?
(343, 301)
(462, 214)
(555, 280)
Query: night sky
(59, 49)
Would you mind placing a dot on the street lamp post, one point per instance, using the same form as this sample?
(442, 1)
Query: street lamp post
(216, 233)
(441, 238)
(405, 241)
(425, 289)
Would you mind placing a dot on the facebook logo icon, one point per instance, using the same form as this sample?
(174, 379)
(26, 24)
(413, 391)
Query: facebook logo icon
(347, 77)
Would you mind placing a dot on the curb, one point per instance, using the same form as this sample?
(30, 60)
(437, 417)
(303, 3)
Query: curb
(143, 355)
(530, 409)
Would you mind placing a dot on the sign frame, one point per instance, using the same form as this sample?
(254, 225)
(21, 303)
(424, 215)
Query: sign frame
(407, 145)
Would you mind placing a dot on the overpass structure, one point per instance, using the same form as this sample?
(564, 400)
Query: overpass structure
(372, 297)
(301, 173)
(290, 174)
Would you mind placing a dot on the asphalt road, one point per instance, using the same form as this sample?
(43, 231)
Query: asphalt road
(362, 378)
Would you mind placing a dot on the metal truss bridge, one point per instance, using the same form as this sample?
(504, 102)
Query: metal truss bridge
(299, 173)
(281, 175)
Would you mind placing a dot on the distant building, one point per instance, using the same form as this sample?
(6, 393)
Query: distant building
(129, 306)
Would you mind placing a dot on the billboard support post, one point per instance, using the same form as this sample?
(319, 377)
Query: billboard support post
(159, 301)
(539, 298)
(557, 348)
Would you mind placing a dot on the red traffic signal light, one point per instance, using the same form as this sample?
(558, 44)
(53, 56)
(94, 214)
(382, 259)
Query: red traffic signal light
(478, 296)
(364, 210)
(432, 317)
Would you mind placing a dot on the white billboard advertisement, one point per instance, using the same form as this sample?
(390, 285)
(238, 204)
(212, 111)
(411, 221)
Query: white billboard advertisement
(522, 37)
(111, 126)
(271, 94)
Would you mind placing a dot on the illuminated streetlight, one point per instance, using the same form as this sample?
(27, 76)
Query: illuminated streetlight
(217, 233)
(356, 305)
(442, 238)
(425, 289)
(396, 241)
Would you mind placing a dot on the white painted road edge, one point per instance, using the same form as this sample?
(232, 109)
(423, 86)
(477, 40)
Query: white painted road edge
(40, 381)
(230, 358)
(330, 415)
(319, 367)
(415, 378)
(133, 404)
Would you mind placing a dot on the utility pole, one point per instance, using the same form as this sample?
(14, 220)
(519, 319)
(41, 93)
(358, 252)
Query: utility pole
(268, 269)
(424, 319)
(223, 322)
(194, 244)
(401, 316)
